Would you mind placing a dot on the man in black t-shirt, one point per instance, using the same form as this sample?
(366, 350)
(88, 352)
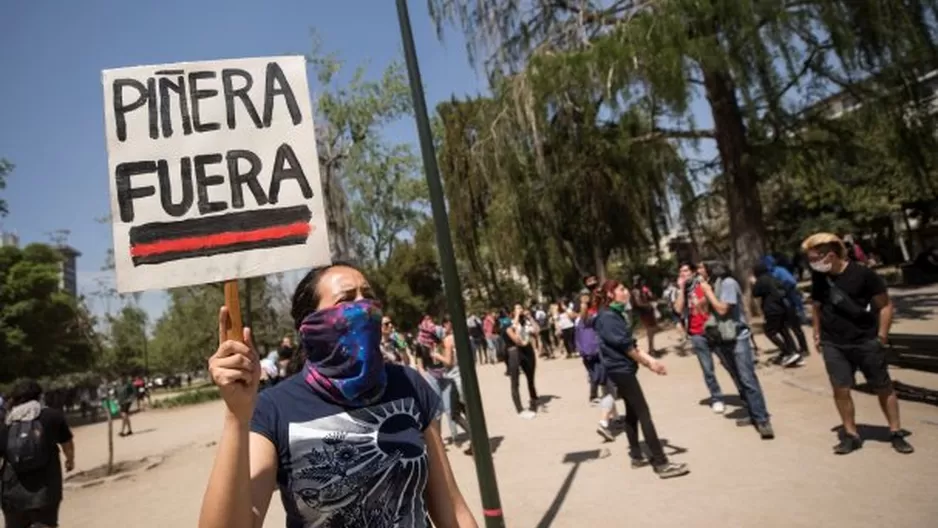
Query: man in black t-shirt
(32, 470)
(852, 316)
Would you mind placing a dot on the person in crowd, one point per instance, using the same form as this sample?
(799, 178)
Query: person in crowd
(521, 359)
(643, 302)
(126, 394)
(692, 304)
(30, 438)
(141, 393)
(490, 329)
(556, 338)
(732, 336)
(621, 359)
(566, 318)
(775, 308)
(587, 344)
(393, 346)
(453, 404)
(670, 293)
(476, 338)
(543, 335)
(852, 316)
(348, 439)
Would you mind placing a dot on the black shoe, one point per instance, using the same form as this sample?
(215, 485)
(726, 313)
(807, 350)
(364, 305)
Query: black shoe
(900, 445)
(605, 433)
(765, 431)
(671, 470)
(639, 462)
(848, 444)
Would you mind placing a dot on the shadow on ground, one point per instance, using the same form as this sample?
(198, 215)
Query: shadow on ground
(919, 306)
(578, 458)
(876, 433)
(906, 392)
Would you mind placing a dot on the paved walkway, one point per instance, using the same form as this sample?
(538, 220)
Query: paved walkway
(553, 471)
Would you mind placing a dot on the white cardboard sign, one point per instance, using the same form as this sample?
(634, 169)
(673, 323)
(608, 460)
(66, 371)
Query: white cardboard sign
(213, 172)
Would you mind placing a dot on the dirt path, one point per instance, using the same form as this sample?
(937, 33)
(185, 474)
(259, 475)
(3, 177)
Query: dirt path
(553, 471)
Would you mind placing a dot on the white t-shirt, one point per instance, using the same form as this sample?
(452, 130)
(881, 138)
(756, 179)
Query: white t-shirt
(564, 321)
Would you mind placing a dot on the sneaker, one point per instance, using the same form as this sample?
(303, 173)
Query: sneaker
(638, 462)
(528, 415)
(791, 359)
(848, 444)
(900, 445)
(718, 407)
(671, 470)
(765, 431)
(603, 431)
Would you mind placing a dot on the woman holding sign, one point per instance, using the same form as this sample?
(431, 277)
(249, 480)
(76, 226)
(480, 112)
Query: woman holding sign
(347, 439)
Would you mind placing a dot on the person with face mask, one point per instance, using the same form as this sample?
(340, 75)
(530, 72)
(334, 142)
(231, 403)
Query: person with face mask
(851, 318)
(348, 439)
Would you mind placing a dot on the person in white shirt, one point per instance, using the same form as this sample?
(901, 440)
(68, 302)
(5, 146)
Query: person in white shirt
(566, 322)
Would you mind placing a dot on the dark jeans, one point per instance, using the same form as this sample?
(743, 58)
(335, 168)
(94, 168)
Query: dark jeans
(522, 359)
(776, 329)
(637, 412)
(794, 324)
(569, 340)
(595, 373)
(41, 518)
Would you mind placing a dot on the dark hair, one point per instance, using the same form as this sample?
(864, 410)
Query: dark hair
(717, 269)
(760, 269)
(689, 263)
(601, 295)
(306, 301)
(24, 391)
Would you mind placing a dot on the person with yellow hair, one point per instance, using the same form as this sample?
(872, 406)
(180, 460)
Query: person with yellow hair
(852, 315)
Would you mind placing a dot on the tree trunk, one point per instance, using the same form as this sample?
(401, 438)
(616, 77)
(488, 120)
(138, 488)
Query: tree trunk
(110, 437)
(336, 212)
(747, 227)
(599, 263)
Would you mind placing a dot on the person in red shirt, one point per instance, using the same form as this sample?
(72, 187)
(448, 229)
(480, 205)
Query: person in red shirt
(692, 304)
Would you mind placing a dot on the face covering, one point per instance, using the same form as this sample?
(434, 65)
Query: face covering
(821, 266)
(343, 346)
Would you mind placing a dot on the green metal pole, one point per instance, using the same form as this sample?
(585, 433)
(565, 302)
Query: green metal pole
(485, 470)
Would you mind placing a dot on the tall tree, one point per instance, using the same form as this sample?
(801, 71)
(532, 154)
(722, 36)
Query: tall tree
(747, 59)
(388, 198)
(6, 168)
(349, 116)
(127, 347)
(42, 329)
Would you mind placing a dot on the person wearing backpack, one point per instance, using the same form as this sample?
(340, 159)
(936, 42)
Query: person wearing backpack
(31, 482)
(852, 317)
(728, 331)
(775, 309)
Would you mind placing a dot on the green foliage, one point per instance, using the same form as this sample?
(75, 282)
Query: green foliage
(192, 397)
(388, 198)
(6, 168)
(126, 349)
(410, 283)
(43, 330)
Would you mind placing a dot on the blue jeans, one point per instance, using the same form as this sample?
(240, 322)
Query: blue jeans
(705, 356)
(740, 359)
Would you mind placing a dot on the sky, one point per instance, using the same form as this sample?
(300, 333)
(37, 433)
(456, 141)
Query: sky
(51, 95)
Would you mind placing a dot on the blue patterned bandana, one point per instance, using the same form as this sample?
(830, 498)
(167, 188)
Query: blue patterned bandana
(343, 349)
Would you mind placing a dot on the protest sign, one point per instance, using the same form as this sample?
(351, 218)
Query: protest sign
(213, 172)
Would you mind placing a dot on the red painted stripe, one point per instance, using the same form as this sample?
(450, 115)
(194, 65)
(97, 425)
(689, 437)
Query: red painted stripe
(219, 239)
(492, 513)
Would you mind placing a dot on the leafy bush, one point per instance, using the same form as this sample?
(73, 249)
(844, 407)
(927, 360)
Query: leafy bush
(192, 397)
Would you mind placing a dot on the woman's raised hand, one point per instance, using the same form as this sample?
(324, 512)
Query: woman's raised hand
(235, 369)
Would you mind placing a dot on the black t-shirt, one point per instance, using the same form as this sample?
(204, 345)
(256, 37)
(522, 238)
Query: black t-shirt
(860, 284)
(772, 293)
(43, 487)
(342, 466)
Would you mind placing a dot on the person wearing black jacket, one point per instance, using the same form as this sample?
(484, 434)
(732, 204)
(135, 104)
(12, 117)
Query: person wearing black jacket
(621, 359)
(776, 309)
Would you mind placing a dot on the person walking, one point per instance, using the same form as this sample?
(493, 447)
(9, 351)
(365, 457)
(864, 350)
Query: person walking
(587, 344)
(775, 309)
(729, 331)
(521, 359)
(852, 317)
(126, 395)
(30, 438)
(451, 383)
(621, 359)
(643, 302)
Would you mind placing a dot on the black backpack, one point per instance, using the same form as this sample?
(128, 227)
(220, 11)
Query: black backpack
(27, 447)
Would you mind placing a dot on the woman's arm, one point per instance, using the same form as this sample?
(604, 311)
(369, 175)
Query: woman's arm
(448, 357)
(242, 480)
(444, 500)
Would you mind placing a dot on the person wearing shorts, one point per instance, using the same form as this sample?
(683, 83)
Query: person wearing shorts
(852, 315)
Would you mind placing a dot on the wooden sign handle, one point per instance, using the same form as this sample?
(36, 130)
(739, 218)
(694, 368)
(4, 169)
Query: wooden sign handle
(233, 303)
